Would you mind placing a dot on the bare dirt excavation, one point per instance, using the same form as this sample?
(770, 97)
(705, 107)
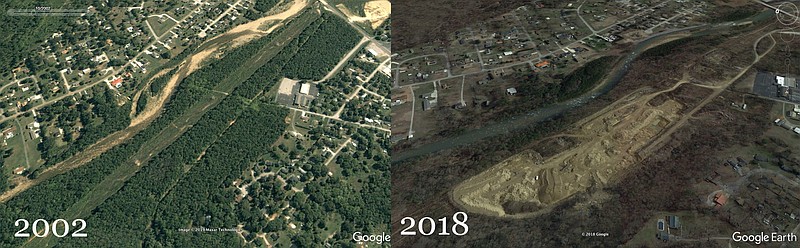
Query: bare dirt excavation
(606, 145)
(376, 12)
(609, 144)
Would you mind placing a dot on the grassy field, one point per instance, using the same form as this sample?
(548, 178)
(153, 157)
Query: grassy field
(19, 144)
(354, 6)
(160, 25)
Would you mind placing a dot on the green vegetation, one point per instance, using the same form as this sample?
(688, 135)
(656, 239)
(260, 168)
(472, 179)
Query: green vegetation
(369, 106)
(3, 175)
(148, 186)
(264, 5)
(101, 117)
(667, 48)
(384, 32)
(354, 197)
(51, 197)
(260, 7)
(183, 169)
(142, 102)
(332, 93)
(585, 77)
(205, 199)
(314, 58)
(158, 83)
(23, 33)
(380, 84)
(68, 188)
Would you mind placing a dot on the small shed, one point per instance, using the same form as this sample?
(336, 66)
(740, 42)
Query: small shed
(674, 222)
(511, 91)
(662, 235)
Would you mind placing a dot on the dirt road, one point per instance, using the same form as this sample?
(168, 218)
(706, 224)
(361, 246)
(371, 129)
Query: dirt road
(344, 60)
(618, 136)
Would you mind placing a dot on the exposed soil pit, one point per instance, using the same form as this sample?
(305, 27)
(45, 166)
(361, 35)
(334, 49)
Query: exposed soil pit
(527, 184)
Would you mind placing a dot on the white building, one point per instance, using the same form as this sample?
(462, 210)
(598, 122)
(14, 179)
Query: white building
(305, 88)
(511, 91)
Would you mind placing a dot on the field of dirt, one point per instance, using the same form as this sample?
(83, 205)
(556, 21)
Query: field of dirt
(286, 86)
(401, 122)
(699, 122)
(377, 12)
(259, 24)
(628, 130)
(609, 145)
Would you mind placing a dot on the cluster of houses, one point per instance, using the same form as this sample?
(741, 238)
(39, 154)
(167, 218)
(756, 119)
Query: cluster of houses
(666, 227)
(16, 96)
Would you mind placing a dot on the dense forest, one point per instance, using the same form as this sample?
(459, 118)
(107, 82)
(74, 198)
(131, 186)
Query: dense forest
(537, 91)
(190, 182)
(148, 186)
(585, 77)
(52, 197)
(258, 127)
(260, 7)
(316, 57)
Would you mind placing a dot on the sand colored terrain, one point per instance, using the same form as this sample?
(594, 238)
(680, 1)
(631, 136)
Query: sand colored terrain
(153, 107)
(608, 144)
(262, 22)
(376, 12)
(147, 85)
(286, 85)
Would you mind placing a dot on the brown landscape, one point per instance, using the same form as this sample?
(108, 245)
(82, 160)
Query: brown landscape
(427, 21)
(644, 149)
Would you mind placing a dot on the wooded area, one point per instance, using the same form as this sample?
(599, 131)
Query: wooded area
(101, 117)
(52, 197)
(190, 182)
(333, 38)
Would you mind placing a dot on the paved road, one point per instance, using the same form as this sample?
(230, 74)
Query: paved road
(339, 119)
(202, 33)
(344, 60)
(90, 85)
(541, 114)
(339, 13)
(549, 53)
